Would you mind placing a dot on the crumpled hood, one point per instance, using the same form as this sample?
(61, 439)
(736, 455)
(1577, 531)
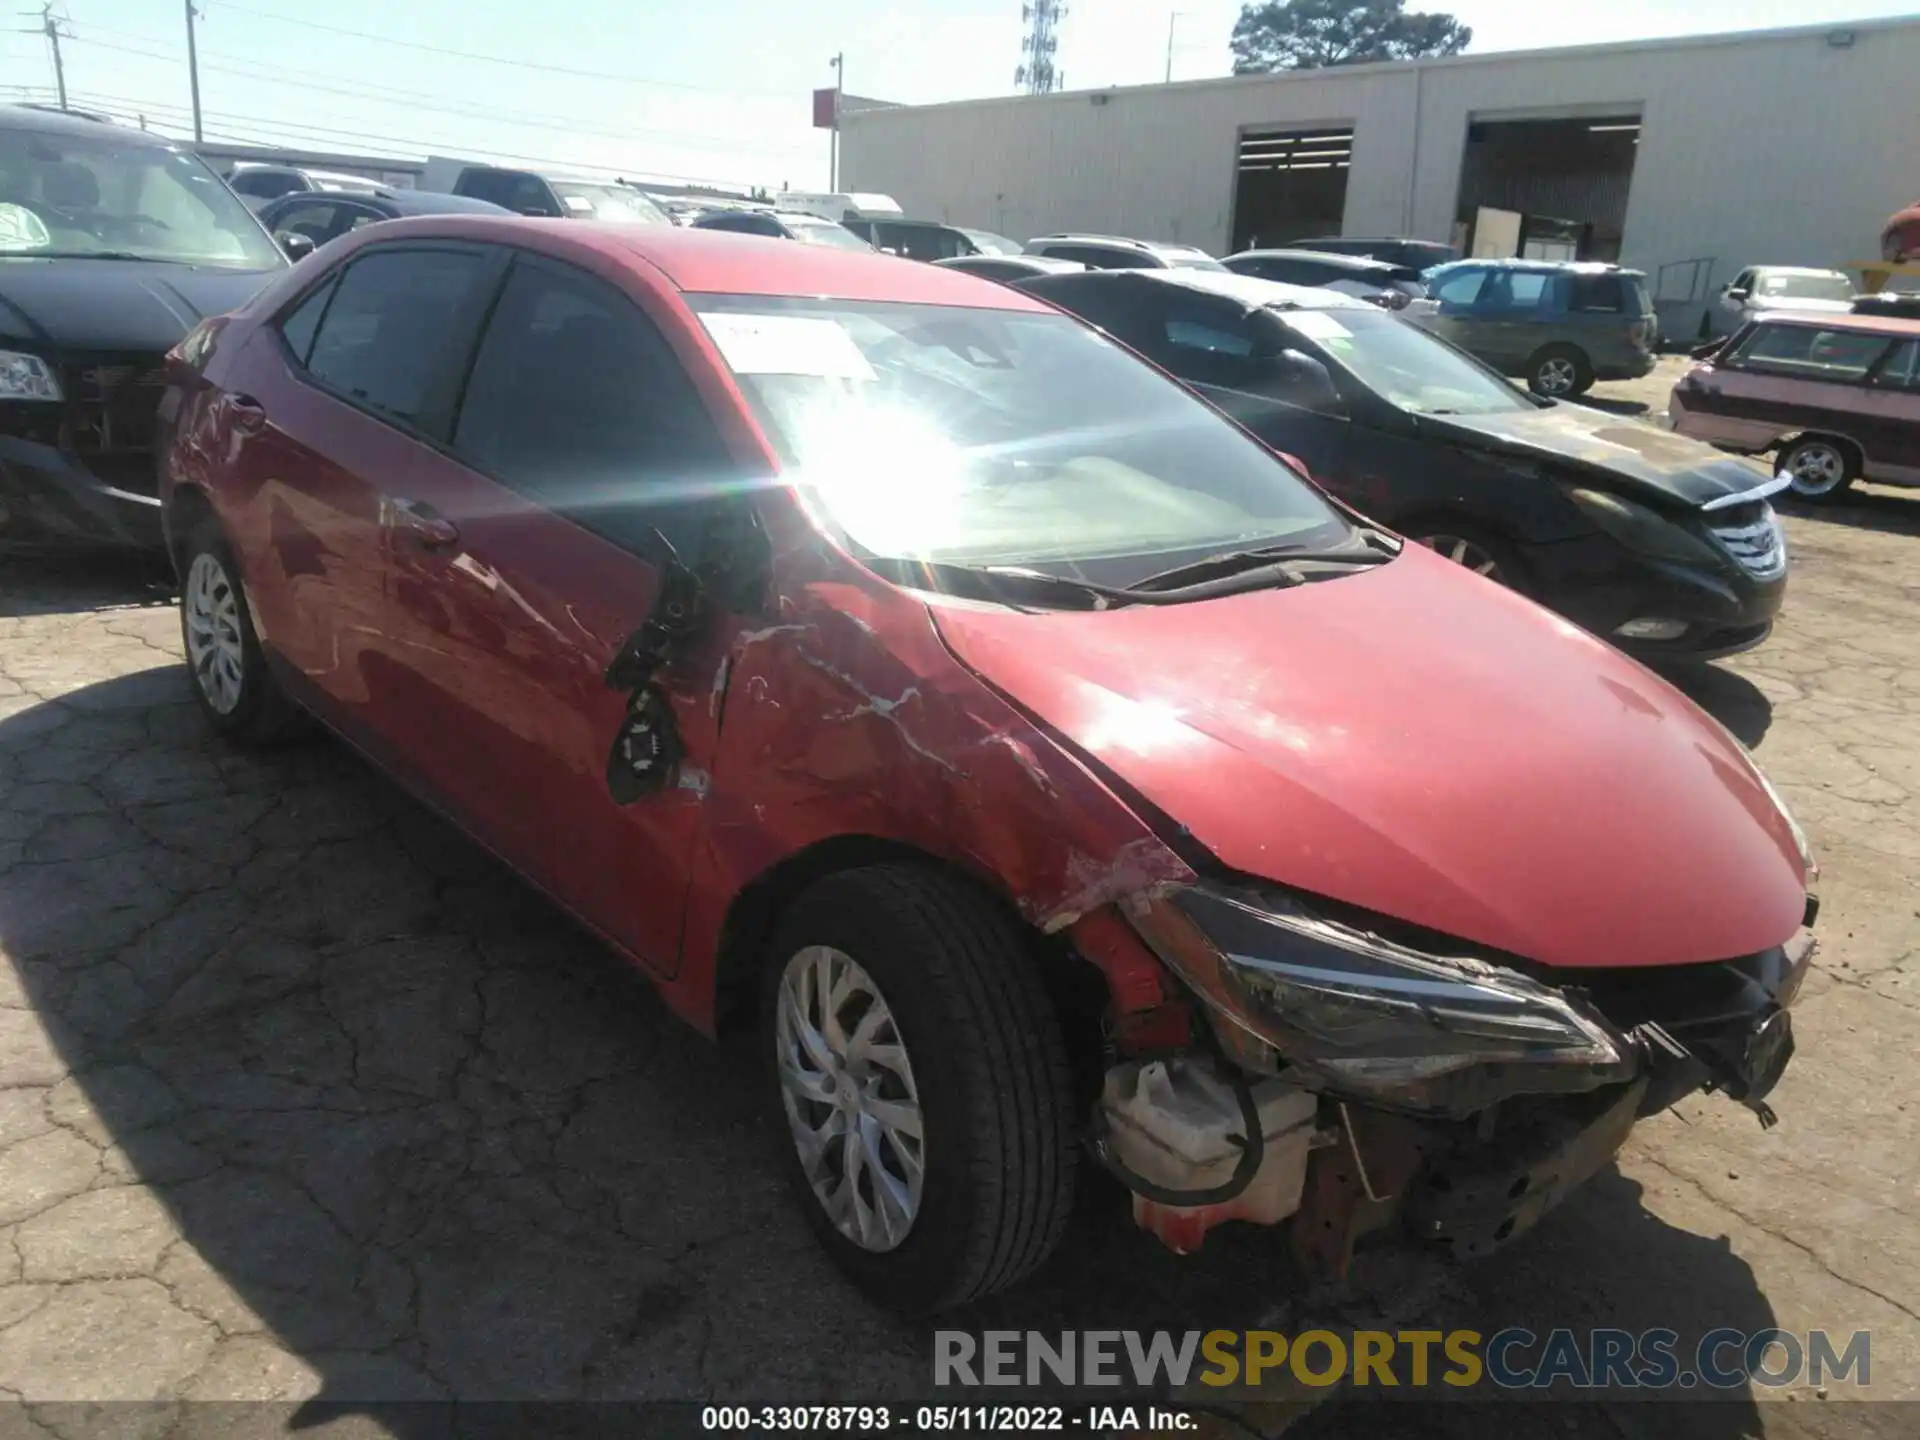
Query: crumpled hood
(1657, 464)
(1417, 741)
(79, 305)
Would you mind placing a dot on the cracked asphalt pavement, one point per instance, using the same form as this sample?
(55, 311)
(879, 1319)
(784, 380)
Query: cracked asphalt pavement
(302, 1095)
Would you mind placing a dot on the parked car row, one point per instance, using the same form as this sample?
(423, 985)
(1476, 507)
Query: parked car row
(901, 670)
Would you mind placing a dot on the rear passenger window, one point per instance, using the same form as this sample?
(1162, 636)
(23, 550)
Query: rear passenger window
(300, 324)
(1810, 352)
(577, 401)
(1521, 289)
(391, 340)
(1596, 294)
(1902, 370)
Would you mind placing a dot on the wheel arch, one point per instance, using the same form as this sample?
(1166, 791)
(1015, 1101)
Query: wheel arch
(1078, 987)
(1847, 442)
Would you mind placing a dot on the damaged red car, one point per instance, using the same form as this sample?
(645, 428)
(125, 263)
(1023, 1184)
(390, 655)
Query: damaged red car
(880, 658)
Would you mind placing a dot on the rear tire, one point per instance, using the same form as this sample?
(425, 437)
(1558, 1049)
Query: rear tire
(970, 1050)
(1559, 372)
(1823, 469)
(225, 663)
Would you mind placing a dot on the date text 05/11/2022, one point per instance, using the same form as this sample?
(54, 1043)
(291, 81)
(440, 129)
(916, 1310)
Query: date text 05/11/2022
(922, 1419)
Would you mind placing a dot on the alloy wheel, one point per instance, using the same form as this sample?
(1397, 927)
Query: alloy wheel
(847, 1086)
(212, 610)
(1465, 552)
(1557, 375)
(1817, 468)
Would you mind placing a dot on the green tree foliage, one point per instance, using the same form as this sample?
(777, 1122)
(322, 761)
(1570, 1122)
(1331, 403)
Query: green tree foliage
(1310, 34)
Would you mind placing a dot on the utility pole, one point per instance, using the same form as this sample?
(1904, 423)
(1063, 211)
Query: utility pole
(52, 27)
(1172, 20)
(193, 72)
(839, 63)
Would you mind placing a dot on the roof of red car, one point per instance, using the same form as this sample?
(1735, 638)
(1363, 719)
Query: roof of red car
(716, 262)
(1854, 320)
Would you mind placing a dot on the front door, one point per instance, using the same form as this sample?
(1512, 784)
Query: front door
(521, 561)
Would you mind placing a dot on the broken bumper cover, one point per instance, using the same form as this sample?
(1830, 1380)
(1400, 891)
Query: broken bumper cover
(1469, 1098)
(51, 499)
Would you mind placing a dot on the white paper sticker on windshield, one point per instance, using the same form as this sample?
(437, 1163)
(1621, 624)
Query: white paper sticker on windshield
(786, 345)
(1316, 325)
(21, 229)
(579, 204)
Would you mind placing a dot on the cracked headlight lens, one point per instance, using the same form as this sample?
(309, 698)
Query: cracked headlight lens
(1367, 1016)
(1643, 530)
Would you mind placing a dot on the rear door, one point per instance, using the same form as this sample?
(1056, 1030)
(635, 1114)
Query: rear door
(1785, 377)
(1513, 317)
(580, 444)
(332, 409)
(1890, 419)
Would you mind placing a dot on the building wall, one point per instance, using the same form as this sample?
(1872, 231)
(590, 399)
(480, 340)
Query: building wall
(1774, 147)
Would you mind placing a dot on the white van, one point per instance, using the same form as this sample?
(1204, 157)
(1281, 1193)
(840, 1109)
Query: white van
(838, 208)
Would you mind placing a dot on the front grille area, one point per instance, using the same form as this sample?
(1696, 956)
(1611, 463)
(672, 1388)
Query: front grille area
(1754, 541)
(112, 402)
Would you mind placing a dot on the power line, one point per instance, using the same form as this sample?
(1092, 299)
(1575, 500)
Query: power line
(487, 59)
(309, 134)
(418, 100)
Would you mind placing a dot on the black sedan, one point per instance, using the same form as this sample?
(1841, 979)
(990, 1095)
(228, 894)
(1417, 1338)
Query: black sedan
(1008, 268)
(1660, 544)
(306, 220)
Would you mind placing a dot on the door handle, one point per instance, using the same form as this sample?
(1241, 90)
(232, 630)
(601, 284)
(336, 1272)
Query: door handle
(249, 414)
(427, 527)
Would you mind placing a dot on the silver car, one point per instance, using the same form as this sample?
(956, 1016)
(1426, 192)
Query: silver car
(1779, 287)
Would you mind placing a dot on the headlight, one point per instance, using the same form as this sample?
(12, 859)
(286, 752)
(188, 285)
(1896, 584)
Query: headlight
(1643, 530)
(1363, 1015)
(27, 377)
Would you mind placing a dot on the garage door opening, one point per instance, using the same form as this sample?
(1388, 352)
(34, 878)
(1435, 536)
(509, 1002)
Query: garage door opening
(1547, 189)
(1292, 184)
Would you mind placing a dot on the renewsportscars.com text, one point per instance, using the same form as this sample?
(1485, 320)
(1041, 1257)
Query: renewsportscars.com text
(1510, 1359)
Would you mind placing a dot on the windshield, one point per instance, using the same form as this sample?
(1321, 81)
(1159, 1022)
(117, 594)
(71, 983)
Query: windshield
(612, 203)
(70, 195)
(825, 232)
(1403, 364)
(988, 243)
(1806, 287)
(990, 437)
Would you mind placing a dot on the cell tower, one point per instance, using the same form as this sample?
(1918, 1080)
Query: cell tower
(1036, 74)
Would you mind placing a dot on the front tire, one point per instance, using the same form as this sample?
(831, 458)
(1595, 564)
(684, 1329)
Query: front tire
(921, 1085)
(1472, 548)
(1559, 372)
(1822, 469)
(225, 663)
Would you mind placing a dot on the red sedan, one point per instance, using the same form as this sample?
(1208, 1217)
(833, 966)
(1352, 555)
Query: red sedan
(874, 654)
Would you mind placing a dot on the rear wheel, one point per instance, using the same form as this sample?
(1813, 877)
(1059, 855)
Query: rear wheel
(924, 1099)
(231, 682)
(1559, 372)
(1821, 469)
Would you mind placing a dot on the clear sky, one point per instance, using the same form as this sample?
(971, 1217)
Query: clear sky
(717, 89)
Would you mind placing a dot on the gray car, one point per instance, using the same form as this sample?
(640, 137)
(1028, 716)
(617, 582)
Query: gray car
(1559, 325)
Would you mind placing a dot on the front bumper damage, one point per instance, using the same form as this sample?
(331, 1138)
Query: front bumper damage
(1456, 1122)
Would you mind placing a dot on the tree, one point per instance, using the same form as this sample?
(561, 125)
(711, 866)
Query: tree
(1310, 34)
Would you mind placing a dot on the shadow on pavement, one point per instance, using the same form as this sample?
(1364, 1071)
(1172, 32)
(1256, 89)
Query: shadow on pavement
(423, 1139)
(1865, 507)
(69, 584)
(1732, 699)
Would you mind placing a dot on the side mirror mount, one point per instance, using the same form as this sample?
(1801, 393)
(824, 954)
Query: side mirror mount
(1300, 379)
(294, 245)
(1738, 292)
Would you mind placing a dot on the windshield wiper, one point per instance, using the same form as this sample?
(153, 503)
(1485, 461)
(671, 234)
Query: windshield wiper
(1280, 558)
(84, 255)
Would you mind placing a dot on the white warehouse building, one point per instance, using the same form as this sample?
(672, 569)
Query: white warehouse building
(1689, 159)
